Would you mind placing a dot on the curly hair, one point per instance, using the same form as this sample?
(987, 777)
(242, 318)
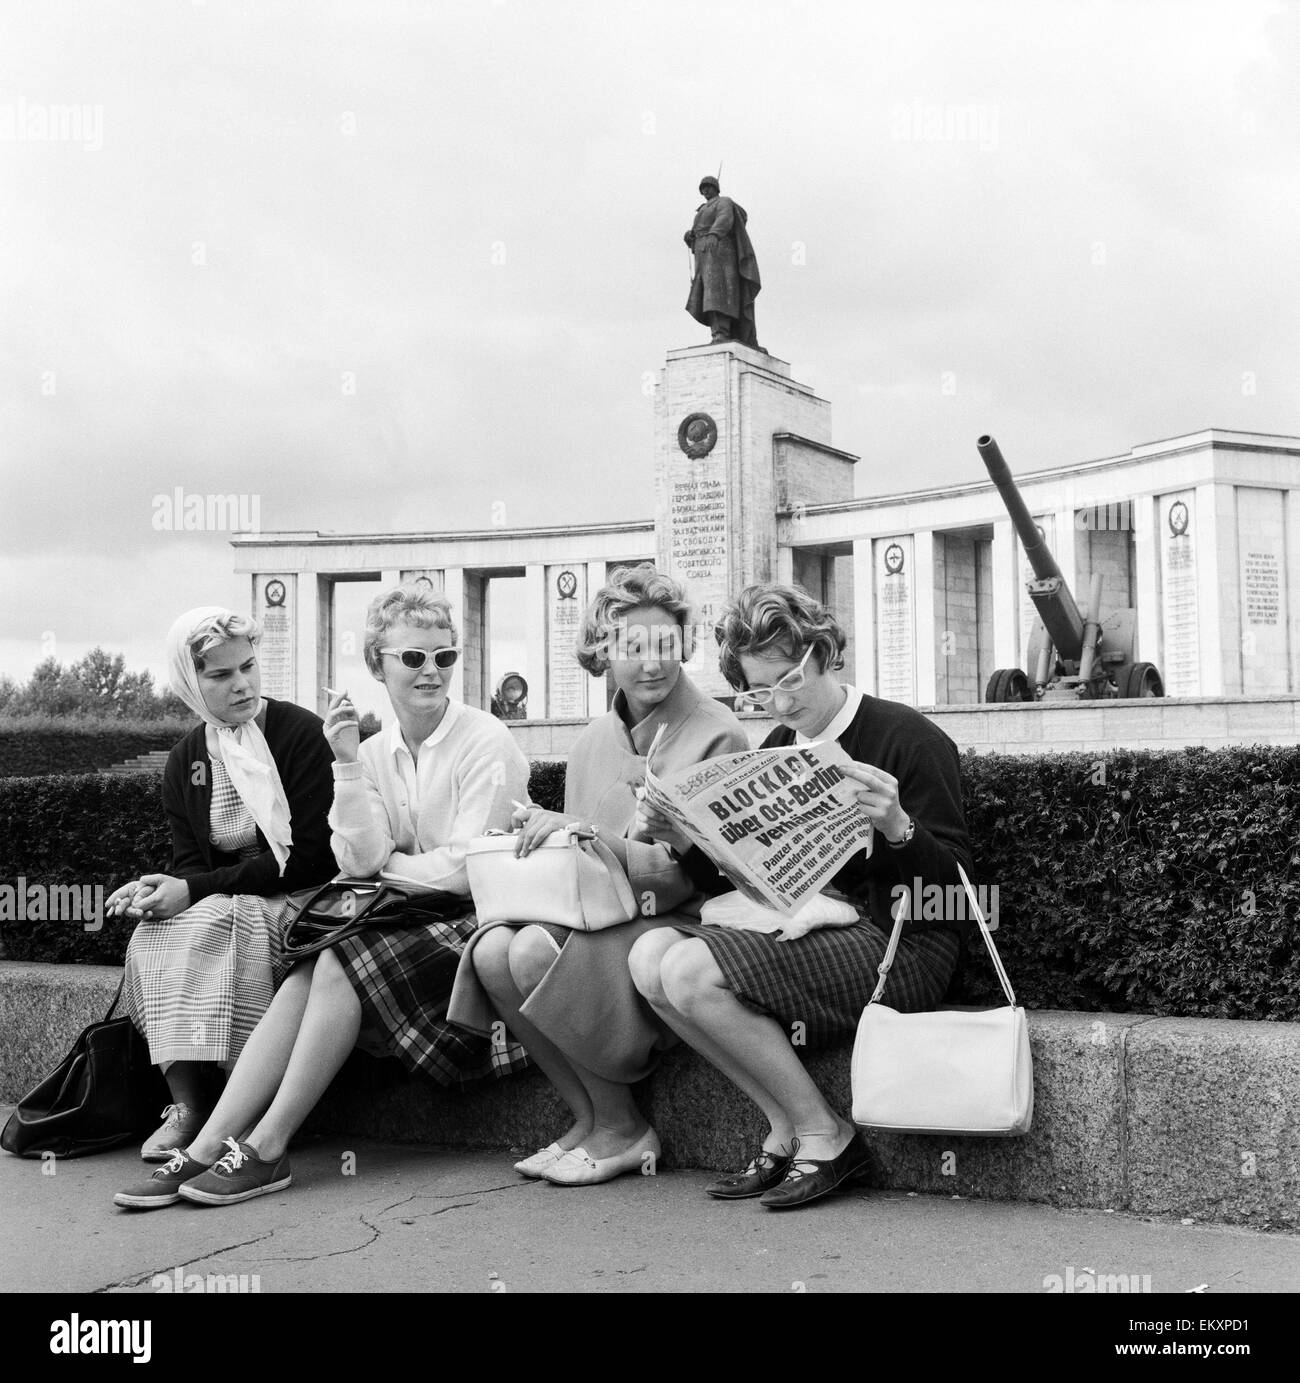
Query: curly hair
(415, 603)
(219, 629)
(640, 585)
(770, 618)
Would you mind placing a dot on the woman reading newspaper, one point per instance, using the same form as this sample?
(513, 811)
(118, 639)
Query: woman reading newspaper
(567, 995)
(738, 996)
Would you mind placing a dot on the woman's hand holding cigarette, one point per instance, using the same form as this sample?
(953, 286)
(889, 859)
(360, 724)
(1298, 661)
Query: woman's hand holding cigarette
(342, 728)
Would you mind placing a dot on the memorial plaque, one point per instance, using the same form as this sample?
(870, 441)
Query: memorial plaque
(1261, 588)
(1261, 549)
(276, 605)
(698, 556)
(895, 620)
(1179, 605)
(566, 679)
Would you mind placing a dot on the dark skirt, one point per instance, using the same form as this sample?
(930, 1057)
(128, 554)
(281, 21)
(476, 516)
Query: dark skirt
(403, 979)
(824, 980)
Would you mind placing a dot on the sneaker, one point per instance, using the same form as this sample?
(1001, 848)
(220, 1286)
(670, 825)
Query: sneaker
(238, 1175)
(180, 1127)
(163, 1187)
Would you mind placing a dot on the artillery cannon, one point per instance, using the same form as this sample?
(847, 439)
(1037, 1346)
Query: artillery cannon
(1071, 654)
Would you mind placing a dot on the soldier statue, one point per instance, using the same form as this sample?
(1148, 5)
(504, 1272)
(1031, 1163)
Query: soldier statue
(726, 271)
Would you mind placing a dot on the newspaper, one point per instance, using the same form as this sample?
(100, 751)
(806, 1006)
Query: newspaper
(779, 823)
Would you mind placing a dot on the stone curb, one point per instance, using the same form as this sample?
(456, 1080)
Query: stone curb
(1171, 1116)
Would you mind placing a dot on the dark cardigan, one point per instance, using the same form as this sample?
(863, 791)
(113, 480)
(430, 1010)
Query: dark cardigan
(902, 742)
(297, 743)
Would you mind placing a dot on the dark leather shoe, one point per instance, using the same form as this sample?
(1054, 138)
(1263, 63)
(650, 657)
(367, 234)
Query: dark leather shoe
(765, 1171)
(808, 1180)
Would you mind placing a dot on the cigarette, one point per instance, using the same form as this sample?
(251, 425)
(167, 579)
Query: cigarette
(329, 691)
(523, 806)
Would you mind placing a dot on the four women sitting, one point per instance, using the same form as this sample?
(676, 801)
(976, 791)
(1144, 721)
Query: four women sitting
(592, 1009)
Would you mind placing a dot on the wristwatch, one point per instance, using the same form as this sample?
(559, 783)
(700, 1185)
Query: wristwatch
(905, 838)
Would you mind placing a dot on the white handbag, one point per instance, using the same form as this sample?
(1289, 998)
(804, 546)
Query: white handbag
(571, 879)
(949, 1072)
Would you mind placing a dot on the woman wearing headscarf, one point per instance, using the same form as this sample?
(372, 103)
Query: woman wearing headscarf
(247, 793)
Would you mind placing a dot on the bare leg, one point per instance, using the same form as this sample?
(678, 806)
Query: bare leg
(694, 990)
(327, 1034)
(491, 960)
(607, 1120)
(646, 963)
(260, 1068)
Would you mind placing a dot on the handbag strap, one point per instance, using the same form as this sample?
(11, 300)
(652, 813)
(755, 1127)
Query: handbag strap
(883, 968)
(615, 871)
(116, 997)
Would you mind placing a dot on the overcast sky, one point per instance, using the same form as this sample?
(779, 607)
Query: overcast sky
(386, 265)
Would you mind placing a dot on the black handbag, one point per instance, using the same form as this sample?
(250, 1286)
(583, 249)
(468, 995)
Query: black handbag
(322, 917)
(103, 1093)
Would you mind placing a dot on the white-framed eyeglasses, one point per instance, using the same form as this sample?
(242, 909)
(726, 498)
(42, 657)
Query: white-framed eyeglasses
(415, 658)
(791, 681)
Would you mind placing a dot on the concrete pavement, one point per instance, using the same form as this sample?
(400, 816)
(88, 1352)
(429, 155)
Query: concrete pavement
(400, 1217)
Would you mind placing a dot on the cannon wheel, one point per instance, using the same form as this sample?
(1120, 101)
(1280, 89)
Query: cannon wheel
(1008, 684)
(1141, 679)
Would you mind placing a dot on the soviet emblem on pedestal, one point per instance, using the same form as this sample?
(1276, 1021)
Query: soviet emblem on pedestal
(697, 435)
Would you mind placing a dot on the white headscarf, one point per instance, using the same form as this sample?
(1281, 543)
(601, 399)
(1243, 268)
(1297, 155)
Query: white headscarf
(241, 748)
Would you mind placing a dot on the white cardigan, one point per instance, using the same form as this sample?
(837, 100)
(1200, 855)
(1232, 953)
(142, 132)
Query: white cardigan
(468, 774)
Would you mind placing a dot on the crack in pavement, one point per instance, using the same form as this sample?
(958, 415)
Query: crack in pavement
(189, 1263)
(376, 1232)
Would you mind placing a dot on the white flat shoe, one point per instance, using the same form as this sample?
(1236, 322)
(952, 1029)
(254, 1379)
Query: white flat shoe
(534, 1166)
(578, 1168)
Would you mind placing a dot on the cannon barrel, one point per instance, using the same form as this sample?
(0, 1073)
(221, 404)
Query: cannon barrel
(1050, 592)
(1037, 552)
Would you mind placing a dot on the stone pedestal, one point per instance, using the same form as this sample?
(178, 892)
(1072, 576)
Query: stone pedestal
(737, 440)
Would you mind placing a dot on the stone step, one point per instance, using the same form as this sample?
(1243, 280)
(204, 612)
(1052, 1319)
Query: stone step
(152, 762)
(1191, 1117)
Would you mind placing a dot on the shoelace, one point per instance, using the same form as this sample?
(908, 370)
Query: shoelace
(761, 1163)
(233, 1160)
(799, 1166)
(175, 1162)
(174, 1111)
(802, 1167)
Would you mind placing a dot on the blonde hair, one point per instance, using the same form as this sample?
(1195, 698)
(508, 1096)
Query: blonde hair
(219, 629)
(416, 603)
(640, 585)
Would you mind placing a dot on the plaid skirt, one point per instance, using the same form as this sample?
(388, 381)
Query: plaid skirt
(403, 979)
(196, 984)
(824, 980)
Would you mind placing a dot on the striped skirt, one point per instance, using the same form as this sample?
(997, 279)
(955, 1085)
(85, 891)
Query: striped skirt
(403, 979)
(197, 983)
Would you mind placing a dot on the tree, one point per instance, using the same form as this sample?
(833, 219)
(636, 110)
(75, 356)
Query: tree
(52, 690)
(101, 674)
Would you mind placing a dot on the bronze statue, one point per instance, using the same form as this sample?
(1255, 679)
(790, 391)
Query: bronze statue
(726, 278)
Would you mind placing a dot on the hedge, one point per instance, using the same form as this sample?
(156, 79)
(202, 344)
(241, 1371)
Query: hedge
(32, 745)
(1154, 882)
